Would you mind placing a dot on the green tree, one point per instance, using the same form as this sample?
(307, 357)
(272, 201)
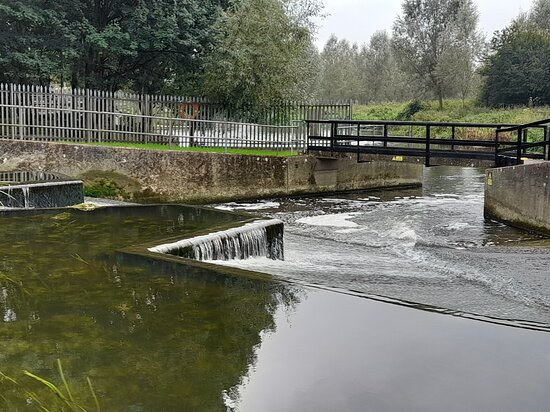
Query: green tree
(540, 14)
(33, 39)
(428, 33)
(262, 53)
(517, 70)
(142, 45)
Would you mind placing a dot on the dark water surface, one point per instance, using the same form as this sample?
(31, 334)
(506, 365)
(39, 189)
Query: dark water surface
(158, 336)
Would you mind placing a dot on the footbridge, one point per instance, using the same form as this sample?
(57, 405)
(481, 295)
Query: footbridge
(503, 144)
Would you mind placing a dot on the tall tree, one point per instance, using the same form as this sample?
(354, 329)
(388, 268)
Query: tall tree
(428, 33)
(262, 53)
(517, 70)
(540, 14)
(33, 41)
(136, 44)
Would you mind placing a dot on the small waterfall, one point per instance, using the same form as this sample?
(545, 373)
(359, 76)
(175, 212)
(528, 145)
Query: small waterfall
(257, 239)
(25, 190)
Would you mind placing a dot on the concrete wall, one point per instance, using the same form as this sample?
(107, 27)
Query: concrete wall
(520, 196)
(197, 177)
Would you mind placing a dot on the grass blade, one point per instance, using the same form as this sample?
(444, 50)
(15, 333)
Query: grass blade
(98, 409)
(64, 380)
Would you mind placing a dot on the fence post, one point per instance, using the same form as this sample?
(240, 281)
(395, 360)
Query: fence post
(518, 154)
(524, 136)
(333, 134)
(428, 136)
(547, 140)
(385, 135)
(497, 133)
(453, 136)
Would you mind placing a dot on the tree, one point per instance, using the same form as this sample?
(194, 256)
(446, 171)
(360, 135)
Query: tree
(262, 53)
(428, 34)
(32, 41)
(540, 14)
(517, 70)
(136, 44)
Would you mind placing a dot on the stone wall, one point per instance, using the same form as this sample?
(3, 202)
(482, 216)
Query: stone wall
(520, 196)
(199, 177)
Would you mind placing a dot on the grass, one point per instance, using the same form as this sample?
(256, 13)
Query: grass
(156, 146)
(58, 399)
(453, 111)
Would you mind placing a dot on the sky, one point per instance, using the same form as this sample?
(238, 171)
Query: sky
(357, 20)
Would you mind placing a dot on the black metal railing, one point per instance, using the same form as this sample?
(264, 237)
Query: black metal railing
(524, 147)
(482, 141)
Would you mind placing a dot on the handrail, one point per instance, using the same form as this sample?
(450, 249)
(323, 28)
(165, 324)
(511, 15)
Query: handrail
(412, 123)
(356, 136)
(540, 123)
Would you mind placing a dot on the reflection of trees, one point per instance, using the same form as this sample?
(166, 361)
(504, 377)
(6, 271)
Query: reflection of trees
(155, 336)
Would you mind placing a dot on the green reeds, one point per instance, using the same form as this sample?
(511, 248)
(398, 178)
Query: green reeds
(62, 398)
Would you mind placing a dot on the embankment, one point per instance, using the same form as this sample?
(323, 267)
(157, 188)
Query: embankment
(198, 177)
(520, 196)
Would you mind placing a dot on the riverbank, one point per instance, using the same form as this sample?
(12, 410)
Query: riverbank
(196, 177)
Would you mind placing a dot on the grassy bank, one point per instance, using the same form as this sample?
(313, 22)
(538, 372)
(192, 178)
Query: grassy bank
(155, 146)
(453, 111)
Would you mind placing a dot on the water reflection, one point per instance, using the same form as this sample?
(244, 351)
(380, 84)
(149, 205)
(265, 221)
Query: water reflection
(151, 335)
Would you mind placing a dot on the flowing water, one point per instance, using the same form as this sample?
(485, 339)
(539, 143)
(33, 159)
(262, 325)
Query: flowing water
(155, 334)
(429, 245)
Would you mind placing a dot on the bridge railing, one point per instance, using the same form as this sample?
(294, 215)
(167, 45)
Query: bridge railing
(532, 141)
(410, 138)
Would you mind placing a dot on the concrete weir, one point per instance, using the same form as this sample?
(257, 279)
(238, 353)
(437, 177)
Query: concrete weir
(199, 177)
(520, 196)
(262, 238)
(27, 189)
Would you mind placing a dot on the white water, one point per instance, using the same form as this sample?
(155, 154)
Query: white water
(250, 240)
(430, 246)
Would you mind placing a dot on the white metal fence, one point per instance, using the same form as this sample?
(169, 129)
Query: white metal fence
(86, 116)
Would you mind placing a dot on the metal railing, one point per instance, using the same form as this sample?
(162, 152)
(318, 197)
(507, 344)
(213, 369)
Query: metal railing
(39, 123)
(482, 141)
(523, 147)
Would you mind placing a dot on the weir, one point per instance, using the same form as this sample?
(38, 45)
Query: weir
(38, 190)
(262, 238)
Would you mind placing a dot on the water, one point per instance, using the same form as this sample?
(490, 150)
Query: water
(151, 336)
(155, 335)
(249, 240)
(429, 245)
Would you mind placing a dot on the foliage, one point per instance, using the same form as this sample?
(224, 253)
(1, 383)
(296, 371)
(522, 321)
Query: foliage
(432, 37)
(263, 53)
(59, 399)
(518, 71)
(103, 188)
(362, 73)
(540, 14)
(411, 109)
(141, 45)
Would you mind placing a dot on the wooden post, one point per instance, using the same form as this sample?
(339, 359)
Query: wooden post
(385, 135)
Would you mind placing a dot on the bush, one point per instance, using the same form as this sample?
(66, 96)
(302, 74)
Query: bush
(411, 109)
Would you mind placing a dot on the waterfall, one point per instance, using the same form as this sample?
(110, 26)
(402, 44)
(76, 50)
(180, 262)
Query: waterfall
(25, 190)
(256, 239)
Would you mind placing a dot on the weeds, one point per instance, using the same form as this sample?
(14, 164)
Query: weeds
(59, 399)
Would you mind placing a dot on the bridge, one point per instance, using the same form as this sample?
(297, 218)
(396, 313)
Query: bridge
(503, 144)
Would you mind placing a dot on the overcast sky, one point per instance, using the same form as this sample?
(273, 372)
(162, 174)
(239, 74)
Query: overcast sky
(357, 20)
